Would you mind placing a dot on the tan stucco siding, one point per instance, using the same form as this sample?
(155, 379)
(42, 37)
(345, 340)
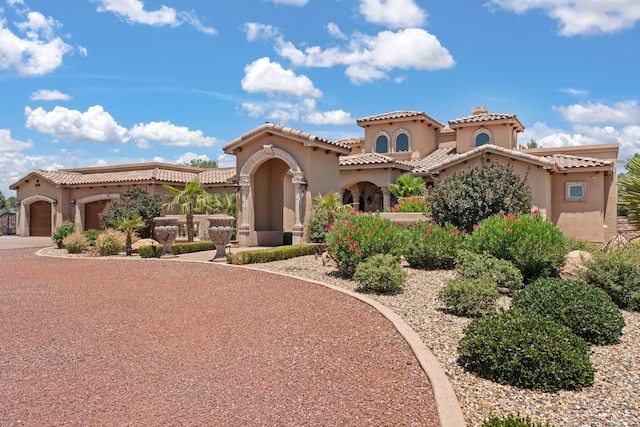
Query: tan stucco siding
(501, 135)
(422, 137)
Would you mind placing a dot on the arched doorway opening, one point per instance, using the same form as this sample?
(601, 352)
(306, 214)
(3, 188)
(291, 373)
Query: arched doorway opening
(365, 197)
(273, 198)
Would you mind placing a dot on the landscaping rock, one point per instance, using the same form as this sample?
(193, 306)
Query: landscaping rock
(574, 264)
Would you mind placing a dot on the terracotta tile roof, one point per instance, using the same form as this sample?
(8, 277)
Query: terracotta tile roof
(435, 158)
(398, 115)
(350, 141)
(377, 159)
(162, 173)
(476, 118)
(564, 161)
(284, 131)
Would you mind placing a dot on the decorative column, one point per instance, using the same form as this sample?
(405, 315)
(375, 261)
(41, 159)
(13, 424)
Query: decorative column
(299, 185)
(244, 227)
(220, 231)
(77, 219)
(166, 231)
(386, 198)
(356, 199)
(23, 222)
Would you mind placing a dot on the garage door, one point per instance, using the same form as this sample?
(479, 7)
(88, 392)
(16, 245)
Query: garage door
(40, 219)
(92, 213)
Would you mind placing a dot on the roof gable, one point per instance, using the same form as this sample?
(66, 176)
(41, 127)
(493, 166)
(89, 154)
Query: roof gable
(400, 116)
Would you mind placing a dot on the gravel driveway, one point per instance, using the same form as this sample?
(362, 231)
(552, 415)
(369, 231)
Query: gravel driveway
(119, 343)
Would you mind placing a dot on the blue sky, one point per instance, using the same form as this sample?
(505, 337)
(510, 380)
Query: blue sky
(104, 82)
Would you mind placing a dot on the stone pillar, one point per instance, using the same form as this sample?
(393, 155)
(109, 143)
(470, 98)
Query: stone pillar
(23, 223)
(356, 199)
(77, 219)
(298, 228)
(386, 198)
(244, 228)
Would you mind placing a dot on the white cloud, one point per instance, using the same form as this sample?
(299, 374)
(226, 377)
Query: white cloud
(621, 113)
(268, 77)
(167, 133)
(256, 31)
(14, 165)
(8, 144)
(94, 125)
(335, 31)
(369, 58)
(187, 157)
(83, 51)
(38, 52)
(581, 17)
(133, 12)
(291, 2)
(304, 111)
(49, 95)
(335, 117)
(393, 13)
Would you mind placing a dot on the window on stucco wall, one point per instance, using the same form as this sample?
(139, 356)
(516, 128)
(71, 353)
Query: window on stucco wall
(382, 144)
(482, 138)
(402, 142)
(576, 190)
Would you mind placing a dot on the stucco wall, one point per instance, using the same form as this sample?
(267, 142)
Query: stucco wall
(501, 135)
(422, 137)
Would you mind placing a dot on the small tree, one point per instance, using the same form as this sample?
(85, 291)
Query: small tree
(136, 201)
(3, 203)
(467, 197)
(222, 203)
(407, 185)
(332, 204)
(129, 226)
(192, 199)
(201, 163)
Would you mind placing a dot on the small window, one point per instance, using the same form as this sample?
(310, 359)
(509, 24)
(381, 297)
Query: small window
(576, 190)
(382, 144)
(402, 142)
(482, 138)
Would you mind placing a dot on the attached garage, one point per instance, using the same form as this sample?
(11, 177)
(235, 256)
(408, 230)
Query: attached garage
(92, 213)
(40, 218)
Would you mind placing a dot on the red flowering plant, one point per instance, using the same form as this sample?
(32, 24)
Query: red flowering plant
(410, 204)
(353, 240)
(432, 246)
(532, 243)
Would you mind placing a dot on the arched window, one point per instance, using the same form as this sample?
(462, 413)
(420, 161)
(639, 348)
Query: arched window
(382, 144)
(482, 138)
(402, 142)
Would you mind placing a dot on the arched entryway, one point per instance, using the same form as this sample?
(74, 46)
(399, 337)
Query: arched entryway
(365, 197)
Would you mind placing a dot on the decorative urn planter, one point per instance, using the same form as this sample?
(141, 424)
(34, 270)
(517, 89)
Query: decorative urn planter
(220, 232)
(166, 231)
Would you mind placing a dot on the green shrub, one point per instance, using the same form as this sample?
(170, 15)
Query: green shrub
(431, 246)
(470, 297)
(361, 236)
(533, 244)
(155, 251)
(91, 236)
(61, 232)
(527, 350)
(272, 254)
(512, 421)
(134, 201)
(317, 226)
(502, 273)
(575, 244)
(467, 197)
(381, 273)
(618, 274)
(585, 309)
(110, 242)
(410, 204)
(75, 243)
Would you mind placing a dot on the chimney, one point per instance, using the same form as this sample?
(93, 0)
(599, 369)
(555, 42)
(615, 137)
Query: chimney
(478, 111)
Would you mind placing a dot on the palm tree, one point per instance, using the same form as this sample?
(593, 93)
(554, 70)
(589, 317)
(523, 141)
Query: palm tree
(129, 225)
(222, 203)
(192, 199)
(629, 190)
(408, 185)
(332, 204)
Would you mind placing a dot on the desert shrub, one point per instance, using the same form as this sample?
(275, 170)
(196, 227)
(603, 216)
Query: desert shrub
(431, 246)
(75, 243)
(410, 204)
(317, 226)
(512, 421)
(361, 236)
(272, 254)
(131, 202)
(618, 274)
(470, 297)
(91, 236)
(585, 309)
(110, 242)
(527, 350)
(502, 273)
(61, 232)
(467, 197)
(575, 244)
(533, 244)
(381, 273)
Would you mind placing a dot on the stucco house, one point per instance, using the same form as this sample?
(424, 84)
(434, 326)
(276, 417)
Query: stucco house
(279, 170)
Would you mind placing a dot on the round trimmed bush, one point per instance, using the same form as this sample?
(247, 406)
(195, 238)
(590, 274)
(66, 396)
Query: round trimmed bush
(470, 297)
(110, 242)
(527, 350)
(588, 311)
(618, 274)
(500, 272)
(432, 246)
(381, 273)
(75, 243)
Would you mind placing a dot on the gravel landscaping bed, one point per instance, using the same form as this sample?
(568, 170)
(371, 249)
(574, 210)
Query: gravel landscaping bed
(613, 400)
